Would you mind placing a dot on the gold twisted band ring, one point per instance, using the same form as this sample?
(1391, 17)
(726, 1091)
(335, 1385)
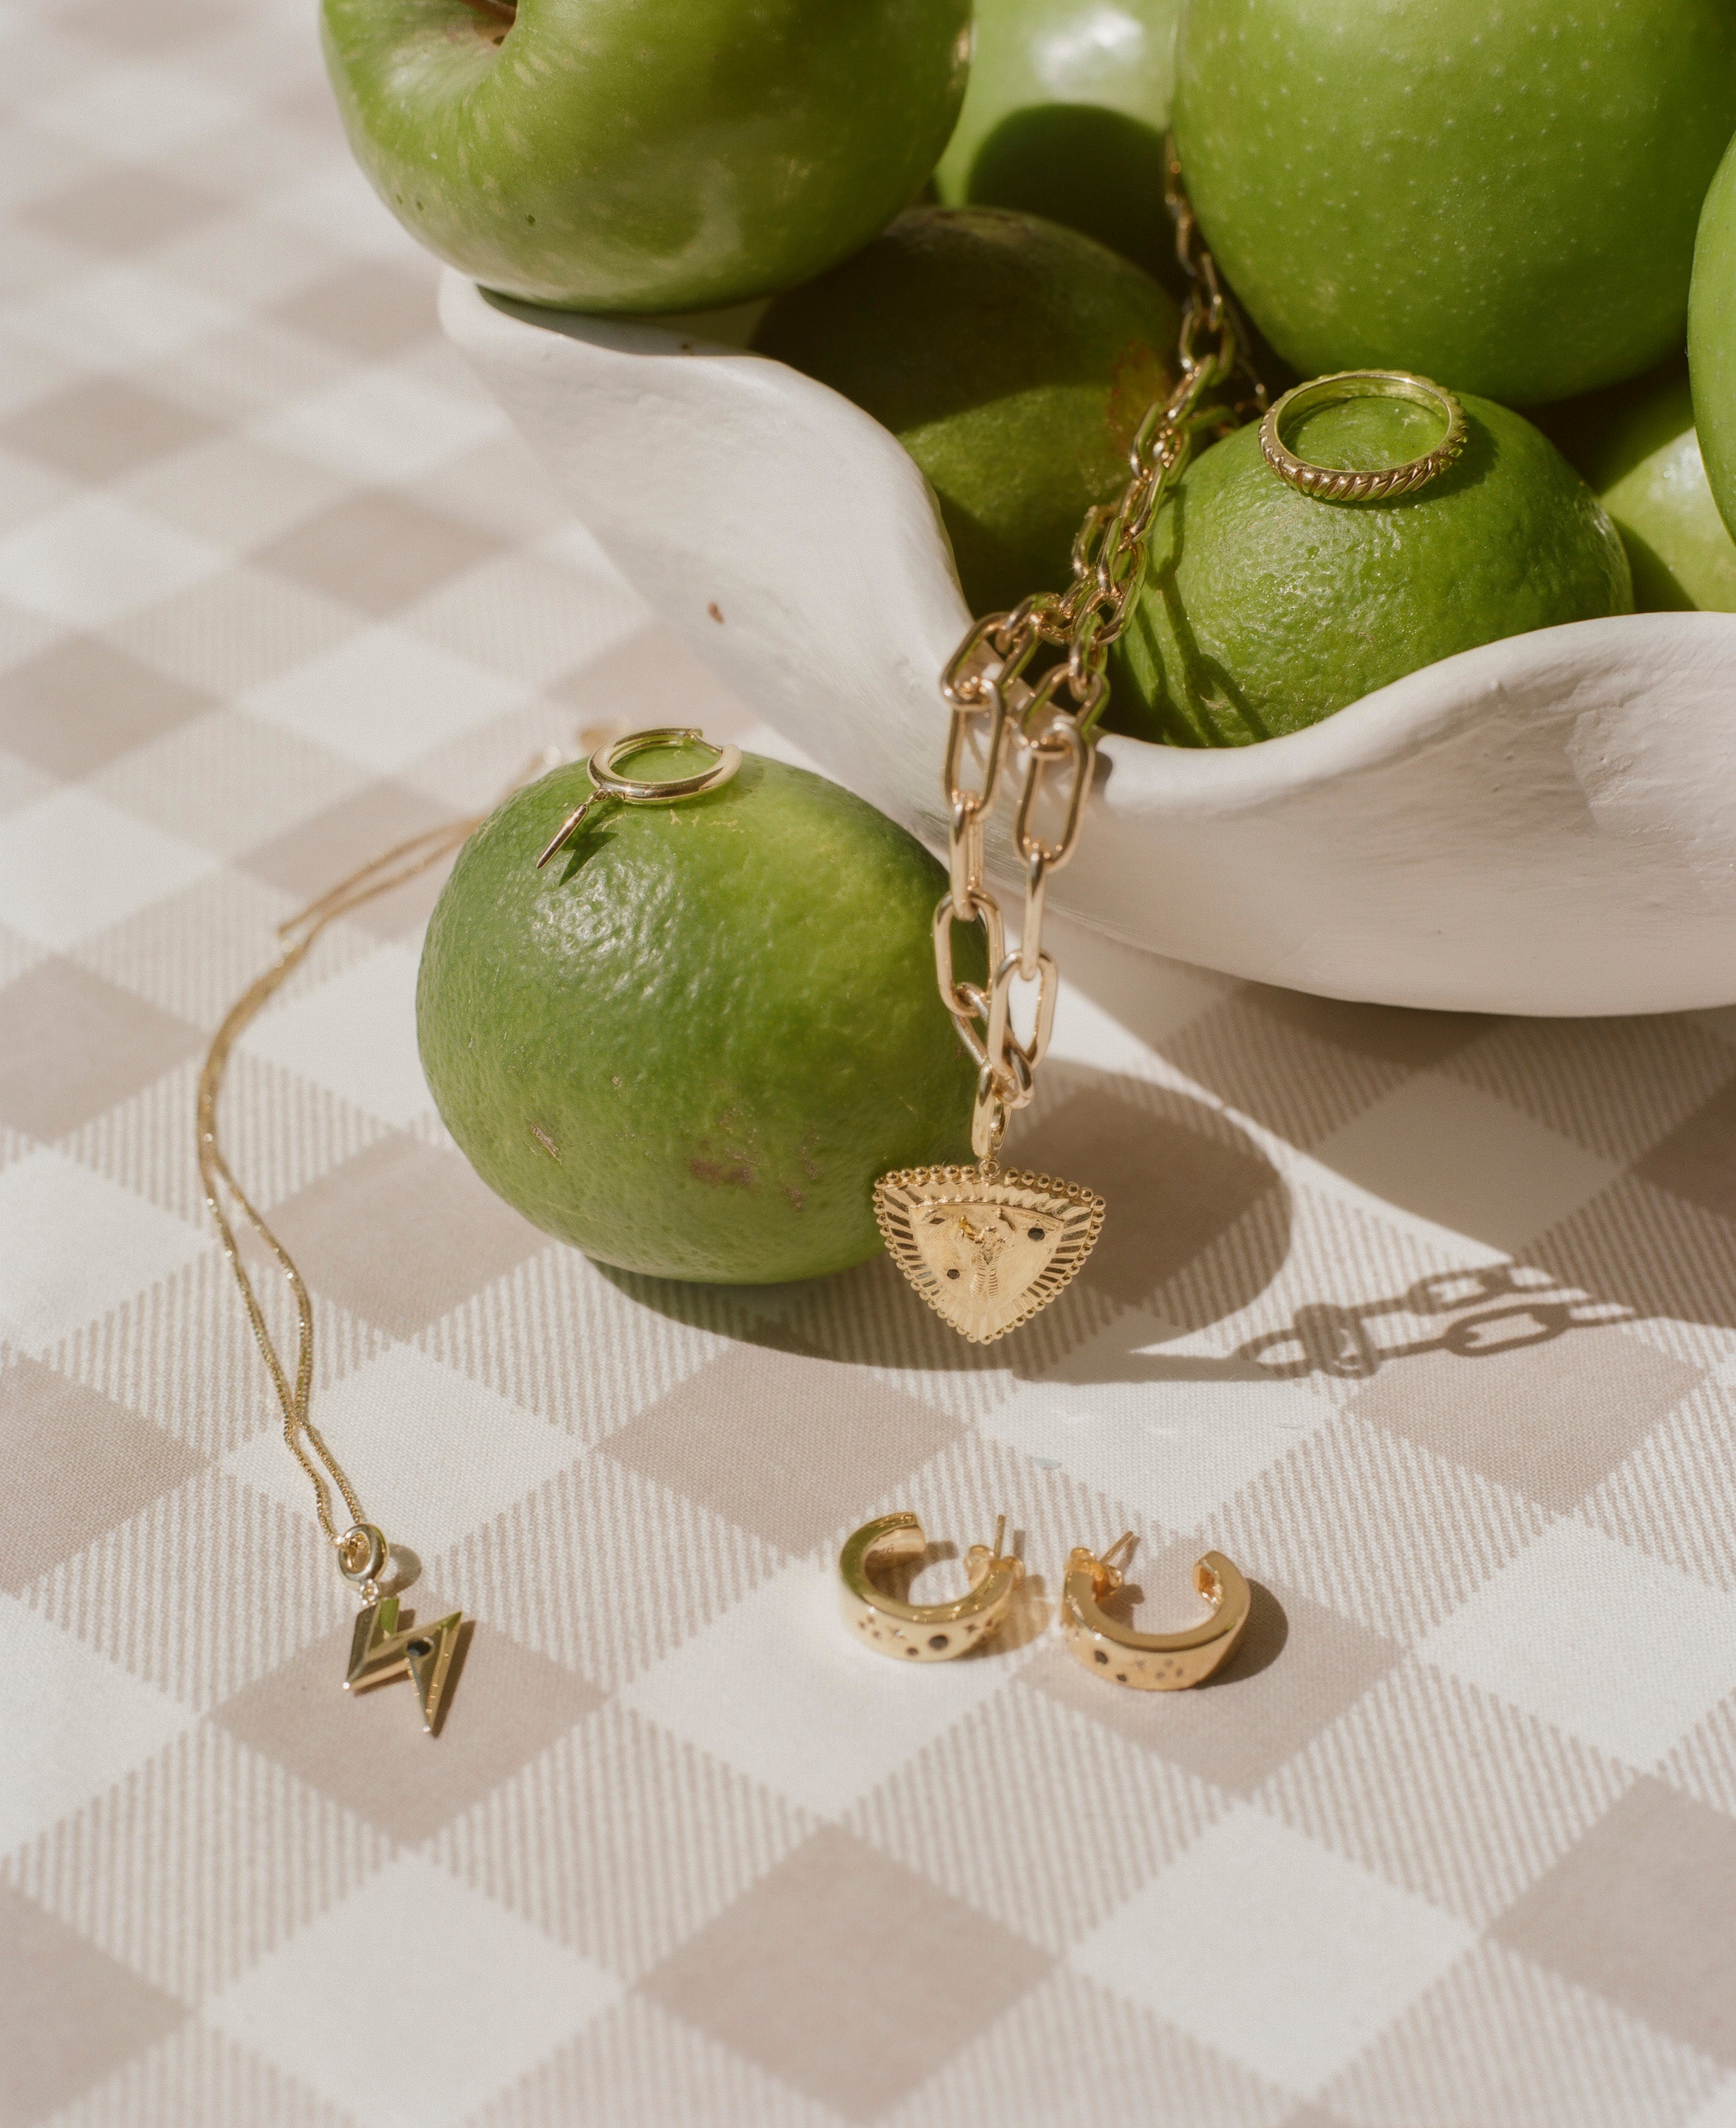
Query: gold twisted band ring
(606, 783)
(1333, 483)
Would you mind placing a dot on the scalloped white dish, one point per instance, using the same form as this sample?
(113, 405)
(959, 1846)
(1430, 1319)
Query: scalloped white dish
(1546, 824)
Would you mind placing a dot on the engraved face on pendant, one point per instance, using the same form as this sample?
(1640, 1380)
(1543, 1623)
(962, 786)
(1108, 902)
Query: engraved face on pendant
(984, 1249)
(985, 1253)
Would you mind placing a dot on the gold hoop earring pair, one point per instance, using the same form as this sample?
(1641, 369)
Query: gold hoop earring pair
(1106, 1646)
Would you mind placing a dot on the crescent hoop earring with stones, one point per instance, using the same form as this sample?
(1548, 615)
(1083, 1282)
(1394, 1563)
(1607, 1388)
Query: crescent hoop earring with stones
(923, 1632)
(1150, 1662)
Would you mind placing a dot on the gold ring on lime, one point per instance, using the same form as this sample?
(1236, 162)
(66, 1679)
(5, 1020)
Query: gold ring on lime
(1333, 483)
(607, 783)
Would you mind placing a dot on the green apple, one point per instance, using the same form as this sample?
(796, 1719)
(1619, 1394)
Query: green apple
(646, 154)
(1065, 117)
(1503, 197)
(1264, 609)
(1011, 358)
(1637, 448)
(1712, 336)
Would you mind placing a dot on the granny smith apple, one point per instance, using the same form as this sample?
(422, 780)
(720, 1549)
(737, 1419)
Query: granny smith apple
(1712, 336)
(646, 154)
(1503, 198)
(1636, 446)
(1065, 117)
(1011, 358)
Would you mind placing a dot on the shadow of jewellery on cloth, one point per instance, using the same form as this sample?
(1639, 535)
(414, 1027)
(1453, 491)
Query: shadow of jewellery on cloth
(1261, 1642)
(1492, 1308)
(1178, 1175)
(405, 1570)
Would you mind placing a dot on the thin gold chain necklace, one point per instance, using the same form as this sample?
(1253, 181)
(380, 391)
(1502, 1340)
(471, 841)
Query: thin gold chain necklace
(380, 1650)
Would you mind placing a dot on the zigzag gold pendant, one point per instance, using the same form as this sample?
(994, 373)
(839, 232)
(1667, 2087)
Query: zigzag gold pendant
(987, 1250)
(378, 1653)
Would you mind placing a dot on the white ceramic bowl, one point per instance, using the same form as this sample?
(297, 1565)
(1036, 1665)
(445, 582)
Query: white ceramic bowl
(1546, 824)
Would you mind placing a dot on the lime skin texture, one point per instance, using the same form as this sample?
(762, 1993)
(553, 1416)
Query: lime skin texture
(646, 155)
(1636, 447)
(692, 1041)
(1501, 197)
(1065, 115)
(1011, 358)
(1712, 336)
(1264, 609)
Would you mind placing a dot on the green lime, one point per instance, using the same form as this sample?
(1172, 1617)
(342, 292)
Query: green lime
(1637, 446)
(1012, 359)
(691, 1043)
(1264, 609)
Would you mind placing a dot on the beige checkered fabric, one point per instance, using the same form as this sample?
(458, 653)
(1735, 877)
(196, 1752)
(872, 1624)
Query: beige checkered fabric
(1430, 1322)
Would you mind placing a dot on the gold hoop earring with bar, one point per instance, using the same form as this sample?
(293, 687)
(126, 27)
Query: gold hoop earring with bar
(608, 784)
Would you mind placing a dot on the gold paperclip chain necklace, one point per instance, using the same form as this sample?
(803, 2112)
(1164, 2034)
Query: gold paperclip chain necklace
(987, 1250)
(379, 1651)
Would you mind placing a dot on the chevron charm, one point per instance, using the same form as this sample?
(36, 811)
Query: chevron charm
(379, 1652)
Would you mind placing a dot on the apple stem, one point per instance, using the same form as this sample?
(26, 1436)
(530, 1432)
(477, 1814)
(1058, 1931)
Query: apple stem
(495, 10)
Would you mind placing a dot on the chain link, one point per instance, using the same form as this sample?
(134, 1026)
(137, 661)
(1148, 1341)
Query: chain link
(1046, 734)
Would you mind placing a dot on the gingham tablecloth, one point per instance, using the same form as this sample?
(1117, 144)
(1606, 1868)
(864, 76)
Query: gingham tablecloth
(1427, 1320)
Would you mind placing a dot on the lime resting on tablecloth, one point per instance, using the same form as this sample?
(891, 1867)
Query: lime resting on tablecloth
(691, 1043)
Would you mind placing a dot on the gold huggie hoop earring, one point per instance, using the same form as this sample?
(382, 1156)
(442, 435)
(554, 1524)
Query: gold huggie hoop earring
(924, 1633)
(607, 785)
(1150, 1662)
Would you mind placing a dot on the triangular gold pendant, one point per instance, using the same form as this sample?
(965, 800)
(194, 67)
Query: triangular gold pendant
(986, 1249)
